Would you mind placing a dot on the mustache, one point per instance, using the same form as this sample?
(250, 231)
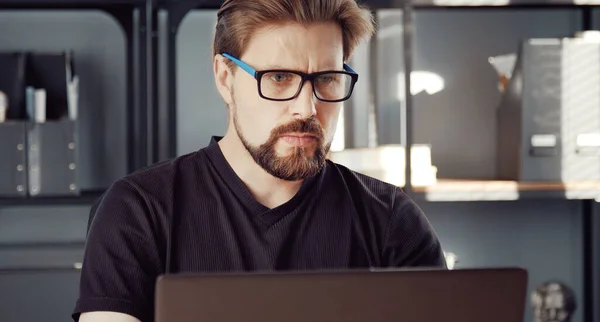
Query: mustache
(308, 126)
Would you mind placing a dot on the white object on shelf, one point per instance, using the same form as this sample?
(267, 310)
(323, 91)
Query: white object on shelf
(451, 259)
(387, 163)
(588, 35)
(3, 106)
(40, 105)
(73, 97)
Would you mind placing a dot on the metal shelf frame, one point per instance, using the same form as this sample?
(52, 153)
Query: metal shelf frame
(136, 19)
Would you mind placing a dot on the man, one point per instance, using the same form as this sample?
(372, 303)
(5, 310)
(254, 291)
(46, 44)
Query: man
(263, 197)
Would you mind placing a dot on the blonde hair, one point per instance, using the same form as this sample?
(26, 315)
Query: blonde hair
(238, 19)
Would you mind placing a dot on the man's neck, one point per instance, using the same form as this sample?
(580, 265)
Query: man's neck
(265, 188)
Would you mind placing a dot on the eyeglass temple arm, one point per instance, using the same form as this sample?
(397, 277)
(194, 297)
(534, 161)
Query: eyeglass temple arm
(242, 65)
(348, 68)
(252, 71)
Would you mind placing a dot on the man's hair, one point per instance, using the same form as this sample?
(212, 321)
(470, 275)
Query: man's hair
(238, 19)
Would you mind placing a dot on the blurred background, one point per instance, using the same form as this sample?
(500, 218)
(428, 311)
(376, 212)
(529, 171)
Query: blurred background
(501, 111)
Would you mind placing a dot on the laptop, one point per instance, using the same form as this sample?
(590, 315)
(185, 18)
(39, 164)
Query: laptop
(406, 295)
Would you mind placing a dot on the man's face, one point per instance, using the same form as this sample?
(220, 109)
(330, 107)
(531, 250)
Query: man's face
(289, 139)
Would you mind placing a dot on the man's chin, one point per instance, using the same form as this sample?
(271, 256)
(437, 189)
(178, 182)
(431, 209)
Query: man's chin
(295, 172)
(294, 166)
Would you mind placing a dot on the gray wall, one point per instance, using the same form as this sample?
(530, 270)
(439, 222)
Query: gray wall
(201, 112)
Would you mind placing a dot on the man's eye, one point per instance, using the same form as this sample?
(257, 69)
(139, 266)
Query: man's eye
(325, 79)
(280, 77)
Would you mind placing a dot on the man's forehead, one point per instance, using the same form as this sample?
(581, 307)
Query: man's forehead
(295, 63)
(295, 47)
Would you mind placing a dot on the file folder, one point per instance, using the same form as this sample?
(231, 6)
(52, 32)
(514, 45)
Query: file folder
(549, 117)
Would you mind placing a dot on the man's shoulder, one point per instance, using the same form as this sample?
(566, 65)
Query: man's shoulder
(382, 198)
(149, 189)
(366, 185)
(160, 177)
(408, 238)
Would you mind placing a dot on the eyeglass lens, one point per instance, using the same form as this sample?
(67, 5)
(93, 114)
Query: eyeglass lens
(285, 85)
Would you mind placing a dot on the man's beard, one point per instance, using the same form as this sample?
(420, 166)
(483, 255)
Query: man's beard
(300, 164)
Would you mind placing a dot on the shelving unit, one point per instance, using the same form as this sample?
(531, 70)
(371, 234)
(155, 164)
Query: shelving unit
(52, 259)
(495, 190)
(135, 18)
(502, 190)
(478, 190)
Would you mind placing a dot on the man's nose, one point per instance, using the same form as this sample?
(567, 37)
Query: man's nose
(304, 104)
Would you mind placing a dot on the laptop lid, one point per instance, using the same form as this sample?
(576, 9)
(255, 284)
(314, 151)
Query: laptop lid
(465, 295)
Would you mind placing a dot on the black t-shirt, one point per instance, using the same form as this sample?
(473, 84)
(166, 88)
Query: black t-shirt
(194, 214)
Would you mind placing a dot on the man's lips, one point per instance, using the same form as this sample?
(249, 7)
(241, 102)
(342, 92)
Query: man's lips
(299, 139)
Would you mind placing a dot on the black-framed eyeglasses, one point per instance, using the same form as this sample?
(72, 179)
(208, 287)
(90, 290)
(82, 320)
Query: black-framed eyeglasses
(284, 85)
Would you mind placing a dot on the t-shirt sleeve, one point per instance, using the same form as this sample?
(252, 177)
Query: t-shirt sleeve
(121, 260)
(410, 239)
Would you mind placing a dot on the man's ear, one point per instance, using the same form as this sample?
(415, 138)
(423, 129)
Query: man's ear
(223, 78)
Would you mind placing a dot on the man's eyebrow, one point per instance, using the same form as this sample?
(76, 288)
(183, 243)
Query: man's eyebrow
(328, 68)
(280, 67)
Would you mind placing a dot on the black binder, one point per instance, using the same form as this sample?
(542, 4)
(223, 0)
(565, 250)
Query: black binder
(12, 83)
